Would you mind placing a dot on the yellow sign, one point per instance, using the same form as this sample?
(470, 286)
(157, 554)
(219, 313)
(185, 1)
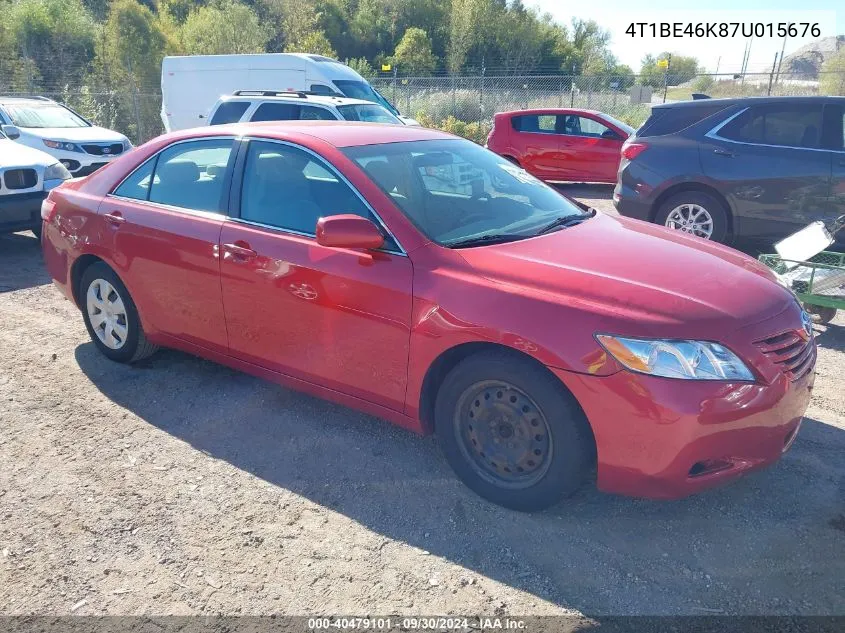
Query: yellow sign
(385, 68)
(663, 63)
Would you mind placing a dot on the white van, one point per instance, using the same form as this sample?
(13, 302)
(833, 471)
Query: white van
(190, 86)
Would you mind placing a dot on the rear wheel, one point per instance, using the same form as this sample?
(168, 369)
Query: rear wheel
(111, 316)
(511, 432)
(696, 213)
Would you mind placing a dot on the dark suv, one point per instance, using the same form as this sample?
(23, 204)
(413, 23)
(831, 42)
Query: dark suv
(759, 167)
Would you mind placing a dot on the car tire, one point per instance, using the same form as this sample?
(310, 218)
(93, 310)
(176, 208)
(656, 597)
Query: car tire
(512, 160)
(512, 401)
(111, 317)
(821, 314)
(712, 207)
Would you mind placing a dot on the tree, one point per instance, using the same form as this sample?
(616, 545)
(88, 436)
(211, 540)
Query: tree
(224, 27)
(463, 31)
(832, 77)
(361, 66)
(56, 36)
(314, 42)
(413, 53)
(681, 69)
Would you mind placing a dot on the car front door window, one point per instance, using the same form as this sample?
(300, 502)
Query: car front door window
(290, 189)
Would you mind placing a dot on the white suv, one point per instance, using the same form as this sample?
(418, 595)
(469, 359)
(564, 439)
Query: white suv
(26, 176)
(270, 105)
(48, 126)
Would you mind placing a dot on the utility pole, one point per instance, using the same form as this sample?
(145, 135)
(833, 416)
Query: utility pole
(666, 76)
(782, 50)
(772, 75)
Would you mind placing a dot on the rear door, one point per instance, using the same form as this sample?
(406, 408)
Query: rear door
(772, 167)
(535, 139)
(589, 148)
(164, 224)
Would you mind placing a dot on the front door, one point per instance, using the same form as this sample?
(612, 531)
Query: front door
(335, 317)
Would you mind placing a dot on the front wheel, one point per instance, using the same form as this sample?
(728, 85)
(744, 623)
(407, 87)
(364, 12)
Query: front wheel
(696, 213)
(822, 314)
(111, 316)
(511, 432)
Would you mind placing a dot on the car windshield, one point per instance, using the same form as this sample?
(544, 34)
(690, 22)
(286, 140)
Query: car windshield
(43, 116)
(371, 113)
(620, 124)
(458, 193)
(362, 90)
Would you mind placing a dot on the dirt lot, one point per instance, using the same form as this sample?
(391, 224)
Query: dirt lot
(181, 487)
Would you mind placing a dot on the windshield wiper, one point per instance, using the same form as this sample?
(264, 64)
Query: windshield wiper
(566, 220)
(485, 240)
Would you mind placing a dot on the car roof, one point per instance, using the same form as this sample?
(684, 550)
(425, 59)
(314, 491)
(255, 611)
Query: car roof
(336, 133)
(24, 99)
(291, 97)
(532, 111)
(746, 101)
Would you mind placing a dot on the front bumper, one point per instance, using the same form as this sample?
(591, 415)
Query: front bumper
(22, 211)
(664, 439)
(80, 163)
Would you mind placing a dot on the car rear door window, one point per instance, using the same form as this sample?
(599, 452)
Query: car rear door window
(537, 123)
(229, 112)
(672, 120)
(313, 113)
(290, 189)
(781, 125)
(276, 112)
(190, 175)
(137, 185)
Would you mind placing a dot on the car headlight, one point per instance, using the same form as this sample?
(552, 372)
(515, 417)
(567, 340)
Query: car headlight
(692, 360)
(63, 145)
(56, 171)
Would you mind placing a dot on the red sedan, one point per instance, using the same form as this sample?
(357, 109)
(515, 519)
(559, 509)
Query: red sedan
(561, 145)
(423, 279)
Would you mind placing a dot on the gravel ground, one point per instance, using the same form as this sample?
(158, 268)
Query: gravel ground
(177, 486)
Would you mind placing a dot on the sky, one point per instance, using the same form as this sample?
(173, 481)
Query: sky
(722, 53)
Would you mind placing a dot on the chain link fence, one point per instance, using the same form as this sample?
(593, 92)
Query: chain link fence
(464, 105)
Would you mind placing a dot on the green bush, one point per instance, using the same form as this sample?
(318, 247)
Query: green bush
(475, 131)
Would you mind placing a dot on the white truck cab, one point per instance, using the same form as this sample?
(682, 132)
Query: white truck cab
(192, 85)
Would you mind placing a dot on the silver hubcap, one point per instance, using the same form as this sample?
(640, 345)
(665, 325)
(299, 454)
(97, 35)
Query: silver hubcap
(107, 314)
(691, 218)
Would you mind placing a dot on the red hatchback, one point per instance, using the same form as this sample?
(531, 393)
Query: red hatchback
(561, 145)
(421, 278)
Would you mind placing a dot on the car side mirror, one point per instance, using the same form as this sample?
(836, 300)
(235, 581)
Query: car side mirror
(348, 231)
(611, 135)
(11, 131)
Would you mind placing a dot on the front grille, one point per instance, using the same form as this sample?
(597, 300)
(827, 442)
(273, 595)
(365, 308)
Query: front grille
(20, 178)
(793, 352)
(112, 149)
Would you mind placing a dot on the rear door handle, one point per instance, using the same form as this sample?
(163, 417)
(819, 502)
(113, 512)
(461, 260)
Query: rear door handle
(241, 251)
(115, 218)
(724, 152)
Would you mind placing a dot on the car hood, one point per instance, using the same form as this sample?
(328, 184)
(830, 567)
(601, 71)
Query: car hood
(93, 134)
(14, 155)
(638, 278)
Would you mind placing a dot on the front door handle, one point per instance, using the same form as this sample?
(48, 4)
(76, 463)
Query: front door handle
(240, 251)
(724, 152)
(115, 218)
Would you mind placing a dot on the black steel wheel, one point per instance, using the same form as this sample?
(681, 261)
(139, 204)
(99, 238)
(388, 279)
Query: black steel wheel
(511, 431)
(503, 434)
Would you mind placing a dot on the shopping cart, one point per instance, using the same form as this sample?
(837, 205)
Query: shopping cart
(815, 275)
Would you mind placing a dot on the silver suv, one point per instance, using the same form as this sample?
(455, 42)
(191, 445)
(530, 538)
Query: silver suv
(270, 105)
